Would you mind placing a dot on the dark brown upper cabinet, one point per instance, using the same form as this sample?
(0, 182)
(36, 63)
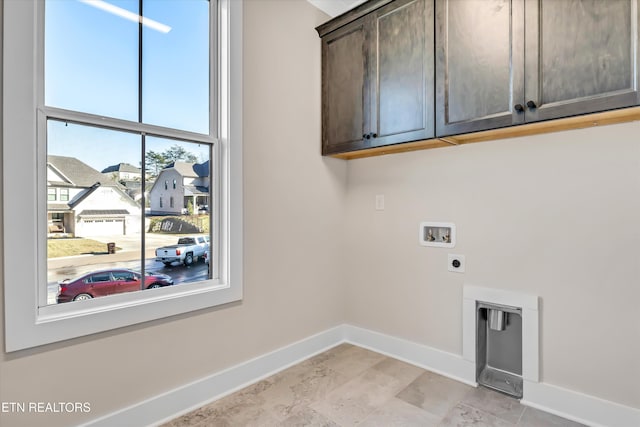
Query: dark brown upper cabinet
(506, 62)
(378, 76)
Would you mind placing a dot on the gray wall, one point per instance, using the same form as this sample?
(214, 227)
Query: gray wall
(294, 202)
(552, 215)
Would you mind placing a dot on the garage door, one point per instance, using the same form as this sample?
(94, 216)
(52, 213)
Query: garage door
(103, 227)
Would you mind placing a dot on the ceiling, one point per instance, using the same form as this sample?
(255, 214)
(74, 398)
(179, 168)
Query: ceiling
(335, 7)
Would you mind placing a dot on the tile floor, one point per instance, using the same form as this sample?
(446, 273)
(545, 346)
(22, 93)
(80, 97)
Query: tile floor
(348, 386)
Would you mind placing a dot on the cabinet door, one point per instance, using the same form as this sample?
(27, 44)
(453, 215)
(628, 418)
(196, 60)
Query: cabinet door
(581, 56)
(345, 89)
(402, 66)
(479, 65)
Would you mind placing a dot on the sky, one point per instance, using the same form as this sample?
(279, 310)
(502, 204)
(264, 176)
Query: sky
(91, 65)
(100, 148)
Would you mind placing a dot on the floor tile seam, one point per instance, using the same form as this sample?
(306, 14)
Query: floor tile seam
(487, 413)
(409, 381)
(456, 403)
(355, 373)
(327, 416)
(439, 417)
(369, 384)
(277, 417)
(292, 402)
(521, 415)
(472, 405)
(369, 410)
(375, 408)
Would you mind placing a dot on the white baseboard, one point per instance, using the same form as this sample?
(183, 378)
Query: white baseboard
(579, 407)
(169, 405)
(569, 404)
(438, 361)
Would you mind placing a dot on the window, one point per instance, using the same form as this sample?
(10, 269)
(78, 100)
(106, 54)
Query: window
(171, 201)
(174, 184)
(80, 149)
(97, 278)
(51, 194)
(64, 194)
(127, 276)
(101, 101)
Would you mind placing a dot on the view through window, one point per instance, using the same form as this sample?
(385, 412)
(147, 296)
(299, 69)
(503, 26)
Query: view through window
(130, 146)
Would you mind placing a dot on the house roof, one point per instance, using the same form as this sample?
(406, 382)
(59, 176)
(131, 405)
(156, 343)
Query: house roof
(58, 207)
(192, 170)
(103, 212)
(80, 174)
(122, 167)
(190, 190)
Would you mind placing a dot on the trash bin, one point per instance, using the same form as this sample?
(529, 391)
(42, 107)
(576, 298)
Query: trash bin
(111, 248)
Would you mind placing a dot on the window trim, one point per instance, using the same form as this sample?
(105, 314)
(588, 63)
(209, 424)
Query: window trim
(29, 323)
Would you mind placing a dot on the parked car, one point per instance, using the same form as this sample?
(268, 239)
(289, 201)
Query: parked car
(186, 251)
(106, 282)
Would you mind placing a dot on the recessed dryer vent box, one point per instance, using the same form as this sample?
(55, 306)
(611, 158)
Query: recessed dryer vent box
(438, 234)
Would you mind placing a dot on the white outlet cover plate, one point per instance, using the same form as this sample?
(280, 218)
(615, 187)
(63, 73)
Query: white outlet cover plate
(460, 258)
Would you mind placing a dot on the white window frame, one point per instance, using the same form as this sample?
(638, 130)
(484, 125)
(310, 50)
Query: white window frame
(64, 192)
(29, 322)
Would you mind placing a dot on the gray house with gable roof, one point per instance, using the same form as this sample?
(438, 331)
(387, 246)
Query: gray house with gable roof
(81, 201)
(178, 184)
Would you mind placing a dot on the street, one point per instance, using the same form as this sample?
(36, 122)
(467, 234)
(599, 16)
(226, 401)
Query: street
(129, 257)
(178, 272)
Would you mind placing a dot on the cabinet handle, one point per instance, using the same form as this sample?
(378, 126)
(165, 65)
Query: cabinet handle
(531, 104)
(375, 135)
(519, 108)
(368, 136)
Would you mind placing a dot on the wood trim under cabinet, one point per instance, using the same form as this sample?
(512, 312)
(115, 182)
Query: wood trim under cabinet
(577, 122)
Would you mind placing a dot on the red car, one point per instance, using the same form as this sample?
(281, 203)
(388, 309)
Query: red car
(107, 282)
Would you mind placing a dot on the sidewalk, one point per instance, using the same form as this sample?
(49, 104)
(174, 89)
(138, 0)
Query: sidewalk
(129, 250)
(119, 256)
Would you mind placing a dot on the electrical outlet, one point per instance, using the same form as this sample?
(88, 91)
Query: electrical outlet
(456, 263)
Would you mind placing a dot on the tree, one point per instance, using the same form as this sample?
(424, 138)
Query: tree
(155, 162)
(177, 153)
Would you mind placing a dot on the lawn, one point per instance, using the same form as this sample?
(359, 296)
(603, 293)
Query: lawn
(68, 247)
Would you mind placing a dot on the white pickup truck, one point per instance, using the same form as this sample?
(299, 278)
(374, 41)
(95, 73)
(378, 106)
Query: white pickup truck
(186, 251)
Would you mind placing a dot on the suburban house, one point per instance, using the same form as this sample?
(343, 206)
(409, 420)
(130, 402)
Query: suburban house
(178, 184)
(123, 172)
(332, 256)
(129, 176)
(83, 202)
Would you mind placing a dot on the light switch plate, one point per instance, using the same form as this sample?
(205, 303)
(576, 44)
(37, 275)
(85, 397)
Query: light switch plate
(379, 202)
